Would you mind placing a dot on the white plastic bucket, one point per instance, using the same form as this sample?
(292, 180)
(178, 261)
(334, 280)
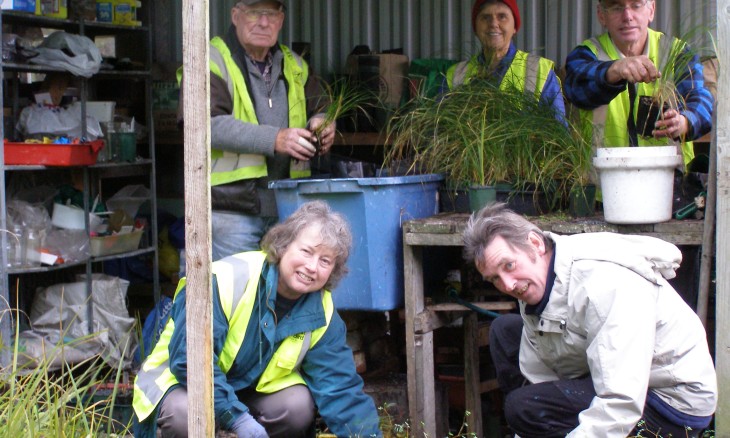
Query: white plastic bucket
(641, 151)
(637, 186)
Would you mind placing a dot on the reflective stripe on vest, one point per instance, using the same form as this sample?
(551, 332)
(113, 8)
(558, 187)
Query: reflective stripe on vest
(527, 73)
(229, 166)
(608, 122)
(237, 299)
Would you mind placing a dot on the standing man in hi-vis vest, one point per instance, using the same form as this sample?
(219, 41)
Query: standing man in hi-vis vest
(605, 76)
(261, 93)
(279, 344)
(495, 22)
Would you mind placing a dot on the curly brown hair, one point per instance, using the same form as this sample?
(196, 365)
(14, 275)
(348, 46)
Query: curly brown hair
(334, 230)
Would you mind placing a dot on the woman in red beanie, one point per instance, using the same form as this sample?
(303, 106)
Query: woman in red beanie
(495, 22)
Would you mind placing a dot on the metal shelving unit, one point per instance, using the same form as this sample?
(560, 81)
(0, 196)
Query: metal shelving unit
(92, 174)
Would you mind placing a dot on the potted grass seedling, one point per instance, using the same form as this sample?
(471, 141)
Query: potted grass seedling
(340, 99)
(677, 56)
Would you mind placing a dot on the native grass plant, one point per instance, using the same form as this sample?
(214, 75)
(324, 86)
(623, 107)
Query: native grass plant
(392, 429)
(694, 44)
(342, 98)
(479, 134)
(45, 402)
(645, 432)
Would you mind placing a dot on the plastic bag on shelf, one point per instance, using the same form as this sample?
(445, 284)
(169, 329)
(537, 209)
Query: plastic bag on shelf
(74, 53)
(28, 215)
(59, 312)
(36, 121)
(129, 199)
(69, 245)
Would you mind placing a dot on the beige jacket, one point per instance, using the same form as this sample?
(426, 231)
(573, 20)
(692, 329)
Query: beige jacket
(612, 314)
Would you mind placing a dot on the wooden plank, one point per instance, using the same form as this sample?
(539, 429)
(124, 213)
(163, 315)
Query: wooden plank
(446, 229)
(722, 300)
(487, 305)
(360, 139)
(421, 239)
(708, 234)
(472, 390)
(199, 308)
(488, 385)
(419, 349)
(429, 321)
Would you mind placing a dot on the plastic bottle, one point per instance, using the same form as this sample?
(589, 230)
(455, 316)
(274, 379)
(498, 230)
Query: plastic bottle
(16, 247)
(32, 247)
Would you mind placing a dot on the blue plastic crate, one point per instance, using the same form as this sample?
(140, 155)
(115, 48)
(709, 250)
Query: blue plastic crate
(375, 208)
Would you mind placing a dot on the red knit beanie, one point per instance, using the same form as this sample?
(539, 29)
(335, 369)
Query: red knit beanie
(512, 4)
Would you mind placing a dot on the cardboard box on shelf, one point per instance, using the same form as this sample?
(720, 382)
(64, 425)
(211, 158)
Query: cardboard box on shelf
(54, 8)
(104, 11)
(125, 12)
(385, 73)
(165, 98)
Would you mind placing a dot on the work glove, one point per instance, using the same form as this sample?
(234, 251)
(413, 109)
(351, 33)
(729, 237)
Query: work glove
(247, 427)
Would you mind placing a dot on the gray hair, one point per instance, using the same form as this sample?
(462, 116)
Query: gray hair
(498, 220)
(334, 230)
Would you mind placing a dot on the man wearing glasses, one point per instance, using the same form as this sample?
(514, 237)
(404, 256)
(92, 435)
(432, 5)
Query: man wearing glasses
(606, 75)
(261, 96)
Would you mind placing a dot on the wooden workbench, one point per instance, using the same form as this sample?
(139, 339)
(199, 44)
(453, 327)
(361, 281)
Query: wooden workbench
(421, 320)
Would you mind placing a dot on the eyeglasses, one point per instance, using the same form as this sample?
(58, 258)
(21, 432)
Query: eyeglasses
(617, 10)
(254, 15)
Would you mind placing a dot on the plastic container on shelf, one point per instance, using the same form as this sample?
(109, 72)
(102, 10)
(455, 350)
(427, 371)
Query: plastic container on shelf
(71, 217)
(375, 208)
(51, 154)
(114, 243)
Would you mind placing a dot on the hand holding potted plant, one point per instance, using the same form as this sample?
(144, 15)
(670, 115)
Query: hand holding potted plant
(339, 99)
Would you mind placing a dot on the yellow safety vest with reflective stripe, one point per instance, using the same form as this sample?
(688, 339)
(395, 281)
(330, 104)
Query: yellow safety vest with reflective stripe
(607, 123)
(237, 277)
(227, 166)
(527, 73)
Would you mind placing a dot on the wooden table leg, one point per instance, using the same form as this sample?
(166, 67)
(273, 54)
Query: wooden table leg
(472, 380)
(419, 349)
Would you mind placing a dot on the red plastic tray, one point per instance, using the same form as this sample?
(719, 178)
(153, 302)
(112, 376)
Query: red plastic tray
(49, 154)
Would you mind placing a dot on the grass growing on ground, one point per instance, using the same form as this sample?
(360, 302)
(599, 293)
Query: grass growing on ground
(38, 402)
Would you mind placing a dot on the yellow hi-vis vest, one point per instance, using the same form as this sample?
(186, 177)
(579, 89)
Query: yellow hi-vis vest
(237, 278)
(227, 166)
(527, 73)
(607, 123)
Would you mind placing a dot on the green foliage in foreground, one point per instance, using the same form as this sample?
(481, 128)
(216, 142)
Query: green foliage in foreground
(41, 403)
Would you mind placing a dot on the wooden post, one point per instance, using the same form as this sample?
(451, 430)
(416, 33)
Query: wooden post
(722, 298)
(196, 107)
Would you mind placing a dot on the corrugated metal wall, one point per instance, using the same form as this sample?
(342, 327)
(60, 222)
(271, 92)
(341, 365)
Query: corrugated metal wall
(442, 28)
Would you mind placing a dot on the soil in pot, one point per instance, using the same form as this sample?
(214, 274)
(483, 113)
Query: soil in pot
(647, 115)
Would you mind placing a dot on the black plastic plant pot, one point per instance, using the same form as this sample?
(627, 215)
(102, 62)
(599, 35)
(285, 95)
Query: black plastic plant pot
(582, 201)
(647, 115)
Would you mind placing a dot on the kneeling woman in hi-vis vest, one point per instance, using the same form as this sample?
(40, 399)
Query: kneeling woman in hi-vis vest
(279, 345)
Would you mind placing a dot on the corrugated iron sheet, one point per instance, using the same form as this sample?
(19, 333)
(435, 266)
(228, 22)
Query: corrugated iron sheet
(442, 28)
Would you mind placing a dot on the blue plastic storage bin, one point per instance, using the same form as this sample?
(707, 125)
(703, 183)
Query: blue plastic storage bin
(375, 208)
